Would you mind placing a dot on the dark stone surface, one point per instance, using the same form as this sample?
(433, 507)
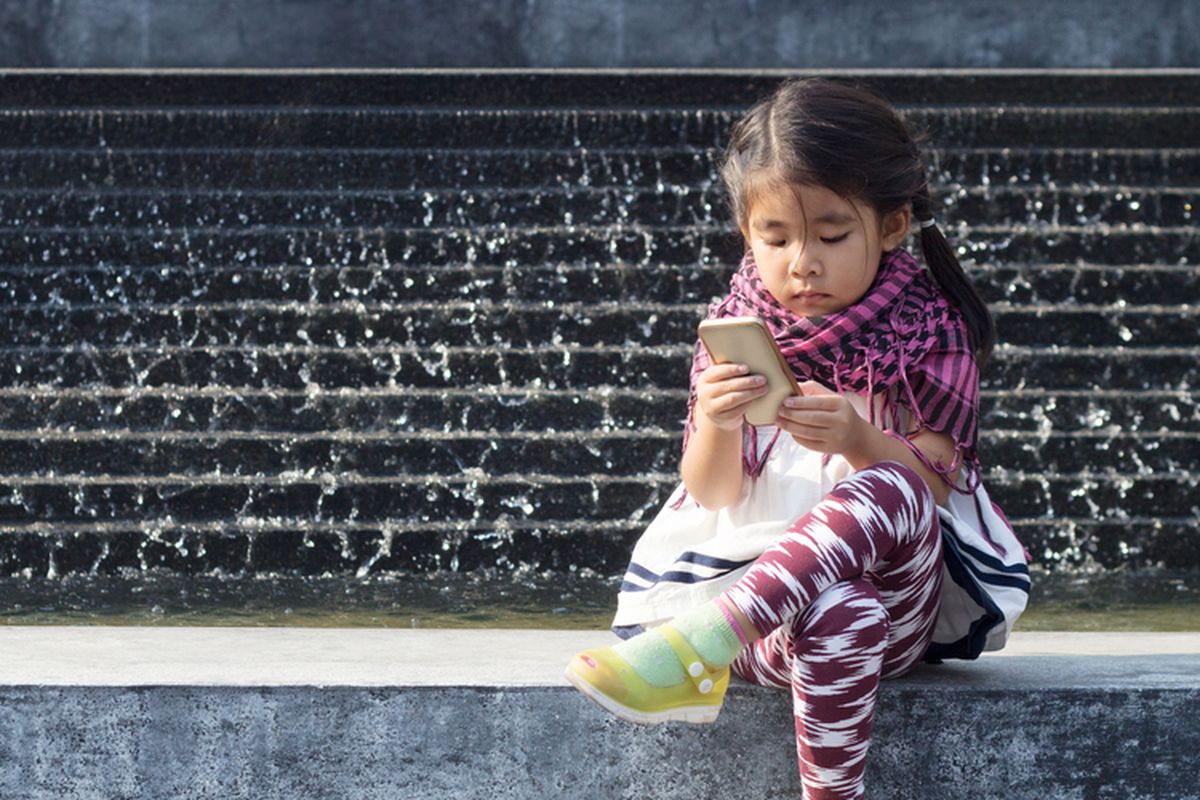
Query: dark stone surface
(1050, 740)
(585, 33)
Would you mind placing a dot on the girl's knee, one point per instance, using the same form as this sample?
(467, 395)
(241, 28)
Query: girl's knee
(904, 478)
(847, 607)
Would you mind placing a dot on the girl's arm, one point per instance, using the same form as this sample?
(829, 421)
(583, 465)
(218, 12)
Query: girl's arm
(712, 464)
(826, 421)
(873, 446)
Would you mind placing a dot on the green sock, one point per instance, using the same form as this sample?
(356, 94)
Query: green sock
(705, 627)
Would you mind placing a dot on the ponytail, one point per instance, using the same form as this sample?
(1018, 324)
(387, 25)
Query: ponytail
(981, 328)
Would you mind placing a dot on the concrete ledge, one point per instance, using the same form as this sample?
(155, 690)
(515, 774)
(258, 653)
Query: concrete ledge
(95, 712)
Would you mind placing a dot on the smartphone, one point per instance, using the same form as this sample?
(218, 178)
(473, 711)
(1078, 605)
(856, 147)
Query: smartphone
(746, 340)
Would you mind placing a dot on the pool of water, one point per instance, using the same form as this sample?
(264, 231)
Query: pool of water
(1147, 601)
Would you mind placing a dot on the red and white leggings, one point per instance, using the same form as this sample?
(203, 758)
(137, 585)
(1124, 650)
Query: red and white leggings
(848, 596)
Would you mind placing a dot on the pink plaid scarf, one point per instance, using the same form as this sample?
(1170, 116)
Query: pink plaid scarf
(903, 330)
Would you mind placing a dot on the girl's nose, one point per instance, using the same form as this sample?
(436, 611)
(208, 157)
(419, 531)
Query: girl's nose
(804, 263)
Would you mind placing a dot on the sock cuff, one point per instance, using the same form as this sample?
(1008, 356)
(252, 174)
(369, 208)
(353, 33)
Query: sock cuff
(732, 622)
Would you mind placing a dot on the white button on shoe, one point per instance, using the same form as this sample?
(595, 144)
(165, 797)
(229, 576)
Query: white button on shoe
(705, 686)
(695, 669)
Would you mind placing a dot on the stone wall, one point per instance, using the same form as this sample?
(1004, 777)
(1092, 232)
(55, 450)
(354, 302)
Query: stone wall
(760, 34)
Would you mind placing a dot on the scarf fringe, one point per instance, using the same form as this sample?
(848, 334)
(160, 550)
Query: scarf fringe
(754, 465)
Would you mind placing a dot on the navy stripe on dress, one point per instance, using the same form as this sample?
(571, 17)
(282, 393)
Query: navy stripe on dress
(969, 646)
(680, 576)
(991, 561)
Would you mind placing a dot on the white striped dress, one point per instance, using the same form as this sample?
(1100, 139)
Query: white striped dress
(689, 555)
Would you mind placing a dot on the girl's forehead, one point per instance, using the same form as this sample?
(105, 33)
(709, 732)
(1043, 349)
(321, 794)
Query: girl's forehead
(782, 209)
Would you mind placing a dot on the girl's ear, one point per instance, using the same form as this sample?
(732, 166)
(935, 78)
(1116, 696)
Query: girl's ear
(895, 227)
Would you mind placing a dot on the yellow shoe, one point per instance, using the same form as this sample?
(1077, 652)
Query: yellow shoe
(613, 684)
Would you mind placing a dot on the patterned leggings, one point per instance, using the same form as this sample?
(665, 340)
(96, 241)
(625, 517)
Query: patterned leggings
(848, 596)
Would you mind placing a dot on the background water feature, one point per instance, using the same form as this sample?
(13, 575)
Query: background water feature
(278, 339)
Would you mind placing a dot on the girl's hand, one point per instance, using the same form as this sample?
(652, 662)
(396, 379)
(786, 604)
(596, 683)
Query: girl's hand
(723, 392)
(821, 420)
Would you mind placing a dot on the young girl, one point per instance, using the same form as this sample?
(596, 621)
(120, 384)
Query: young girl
(853, 538)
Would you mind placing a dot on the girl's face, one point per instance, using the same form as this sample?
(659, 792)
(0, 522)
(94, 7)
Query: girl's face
(837, 256)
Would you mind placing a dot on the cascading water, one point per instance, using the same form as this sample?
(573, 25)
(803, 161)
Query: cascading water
(308, 345)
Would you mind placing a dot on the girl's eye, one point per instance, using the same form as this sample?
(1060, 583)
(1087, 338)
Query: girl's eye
(823, 239)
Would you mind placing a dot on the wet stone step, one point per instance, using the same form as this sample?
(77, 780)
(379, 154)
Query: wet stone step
(563, 283)
(574, 284)
(339, 169)
(401, 410)
(414, 455)
(635, 244)
(572, 89)
(519, 327)
(91, 168)
(517, 208)
(302, 547)
(1030, 165)
(119, 454)
(541, 207)
(443, 499)
(1066, 284)
(460, 497)
(383, 126)
(1106, 452)
(398, 410)
(148, 366)
(301, 550)
(1126, 411)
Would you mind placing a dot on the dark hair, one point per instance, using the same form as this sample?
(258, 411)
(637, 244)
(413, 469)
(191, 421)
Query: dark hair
(848, 139)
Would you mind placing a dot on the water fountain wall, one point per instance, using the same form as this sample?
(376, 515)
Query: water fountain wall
(363, 324)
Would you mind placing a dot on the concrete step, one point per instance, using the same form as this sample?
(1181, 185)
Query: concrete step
(99, 712)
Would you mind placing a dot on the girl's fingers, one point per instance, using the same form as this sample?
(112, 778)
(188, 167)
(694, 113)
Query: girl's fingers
(723, 375)
(805, 418)
(823, 402)
(738, 399)
(747, 387)
(802, 435)
(720, 372)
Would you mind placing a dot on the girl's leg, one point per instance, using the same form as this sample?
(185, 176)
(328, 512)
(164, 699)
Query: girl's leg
(879, 520)
(831, 656)
(833, 653)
